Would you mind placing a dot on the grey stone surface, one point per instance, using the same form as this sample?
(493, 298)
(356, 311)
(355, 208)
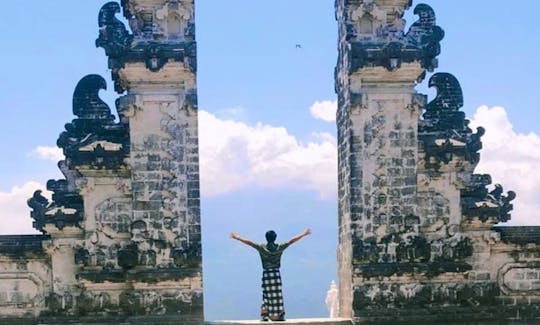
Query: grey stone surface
(122, 239)
(417, 241)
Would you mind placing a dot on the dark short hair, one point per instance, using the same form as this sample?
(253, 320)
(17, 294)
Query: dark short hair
(270, 236)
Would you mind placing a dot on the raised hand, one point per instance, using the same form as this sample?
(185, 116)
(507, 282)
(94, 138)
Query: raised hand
(300, 236)
(248, 242)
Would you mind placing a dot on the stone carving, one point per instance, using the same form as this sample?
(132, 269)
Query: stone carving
(87, 105)
(128, 256)
(114, 217)
(23, 292)
(82, 257)
(417, 236)
(93, 302)
(477, 202)
(443, 113)
(93, 139)
(146, 302)
(371, 297)
(123, 234)
(521, 278)
(444, 130)
(414, 249)
(67, 205)
(368, 17)
(38, 203)
(107, 246)
(58, 304)
(62, 195)
(424, 34)
(173, 18)
(398, 253)
(392, 47)
(66, 209)
(145, 44)
(114, 38)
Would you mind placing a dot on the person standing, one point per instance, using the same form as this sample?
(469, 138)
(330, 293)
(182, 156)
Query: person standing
(270, 253)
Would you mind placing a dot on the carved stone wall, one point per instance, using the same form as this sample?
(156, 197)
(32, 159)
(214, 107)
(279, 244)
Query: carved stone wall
(122, 239)
(25, 275)
(417, 235)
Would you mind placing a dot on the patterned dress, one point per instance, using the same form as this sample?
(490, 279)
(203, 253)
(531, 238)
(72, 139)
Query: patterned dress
(272, 299)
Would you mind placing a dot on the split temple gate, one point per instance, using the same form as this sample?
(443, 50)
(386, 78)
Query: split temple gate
(418, 240)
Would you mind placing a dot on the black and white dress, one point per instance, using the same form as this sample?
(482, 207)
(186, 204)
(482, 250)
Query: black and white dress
(272, 296)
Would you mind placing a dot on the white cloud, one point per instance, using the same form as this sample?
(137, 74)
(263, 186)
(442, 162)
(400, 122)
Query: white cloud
(513, 160)
(324, 110)
(14, 213)
(235, 155)
(48, 153)
(237, 113)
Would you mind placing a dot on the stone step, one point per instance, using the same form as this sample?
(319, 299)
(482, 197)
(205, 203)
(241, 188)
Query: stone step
(306, 321)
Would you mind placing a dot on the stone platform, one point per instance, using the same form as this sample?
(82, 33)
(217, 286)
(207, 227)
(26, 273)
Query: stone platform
(310, 321)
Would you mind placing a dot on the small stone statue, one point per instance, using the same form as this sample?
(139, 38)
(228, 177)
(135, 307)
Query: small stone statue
(272, 304)
(332, 300)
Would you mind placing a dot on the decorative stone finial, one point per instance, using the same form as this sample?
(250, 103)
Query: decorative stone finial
(478, 203)
(444, 130)
(93, 139)
(86, 102)
(66, 209)
(114, 37)
(375, 42)
(161, 33)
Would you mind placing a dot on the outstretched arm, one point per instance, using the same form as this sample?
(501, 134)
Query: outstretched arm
(242, 240)
(296, 238)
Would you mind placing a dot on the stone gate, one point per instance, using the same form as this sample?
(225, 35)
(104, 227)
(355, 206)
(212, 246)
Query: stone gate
(417, 235)
(121, 237)
(418, 239)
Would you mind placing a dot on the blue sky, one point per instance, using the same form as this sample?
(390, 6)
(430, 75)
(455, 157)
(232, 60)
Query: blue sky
(268, 161)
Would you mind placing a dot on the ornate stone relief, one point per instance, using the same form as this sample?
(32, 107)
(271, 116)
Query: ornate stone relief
(93, 139)
(479, 203)
(389, 46)
(368, 19)
(444, 130)
(173, 21)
